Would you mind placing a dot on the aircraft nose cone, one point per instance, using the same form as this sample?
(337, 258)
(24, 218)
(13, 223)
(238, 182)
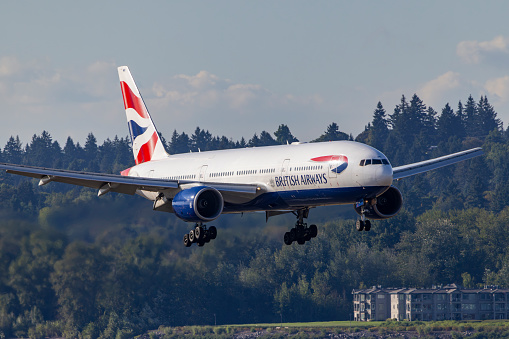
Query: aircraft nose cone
(384, 175)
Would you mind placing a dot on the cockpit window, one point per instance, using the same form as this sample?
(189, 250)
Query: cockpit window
(366, 162)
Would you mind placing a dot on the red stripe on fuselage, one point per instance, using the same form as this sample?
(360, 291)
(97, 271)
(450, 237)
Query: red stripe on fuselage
(132, 101)
(146, 150)
(331, 158)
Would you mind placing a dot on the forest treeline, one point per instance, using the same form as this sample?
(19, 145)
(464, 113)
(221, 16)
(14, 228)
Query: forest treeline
(75, 265)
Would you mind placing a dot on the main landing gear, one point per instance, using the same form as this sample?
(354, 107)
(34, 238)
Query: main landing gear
(200, 235)
(301, 232)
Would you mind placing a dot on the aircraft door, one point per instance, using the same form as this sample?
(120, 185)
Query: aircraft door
(333, 164)
(203, 172)
(284, 173)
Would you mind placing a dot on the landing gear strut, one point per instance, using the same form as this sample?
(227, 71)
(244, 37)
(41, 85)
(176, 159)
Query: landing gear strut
(200, 235)
(301, 232)
(363, 223)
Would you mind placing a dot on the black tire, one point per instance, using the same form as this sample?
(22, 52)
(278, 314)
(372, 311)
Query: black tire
(367, 225)
(187, 243)
(313, 231)
(307, 237)
(201, 243)
(301, 241)
(287, 238)
(198, 234)
(191, 236)
(293, 234)
(206, 238)
(359, 225)
(212, 232)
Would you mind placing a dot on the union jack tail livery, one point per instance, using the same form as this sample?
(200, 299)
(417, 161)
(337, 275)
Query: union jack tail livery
(145, 140)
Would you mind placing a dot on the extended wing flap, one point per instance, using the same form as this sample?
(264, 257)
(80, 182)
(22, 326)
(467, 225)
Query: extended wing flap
(428, 165)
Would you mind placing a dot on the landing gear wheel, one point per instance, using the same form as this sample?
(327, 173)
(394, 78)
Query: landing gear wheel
(212, 232)
(288, 238)
(301, 241)
(187, 243)
(198, 234)
(192, 237)
(359, 225)
(367, 225)
(313, 231)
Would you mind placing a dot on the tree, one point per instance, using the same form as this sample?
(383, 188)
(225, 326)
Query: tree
(379, 128)
(284, 136)
(13, 151)
(448, 124)
(332, 134)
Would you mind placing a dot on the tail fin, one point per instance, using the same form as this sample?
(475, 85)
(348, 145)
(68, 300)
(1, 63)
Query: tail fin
(145, 140)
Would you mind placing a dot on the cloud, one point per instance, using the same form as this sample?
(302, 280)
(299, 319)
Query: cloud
(433, 91)
(498, 87)
(73, 101)
(226, 107)
(473, 52)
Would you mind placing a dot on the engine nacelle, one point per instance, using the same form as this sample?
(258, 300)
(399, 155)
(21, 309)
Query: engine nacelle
(384, 206)
(197, 204)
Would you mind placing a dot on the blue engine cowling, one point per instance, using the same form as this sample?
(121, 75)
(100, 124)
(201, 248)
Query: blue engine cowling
(197, 204)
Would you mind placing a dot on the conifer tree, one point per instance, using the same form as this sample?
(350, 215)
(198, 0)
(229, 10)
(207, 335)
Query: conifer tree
(283, 135)
(378, 130)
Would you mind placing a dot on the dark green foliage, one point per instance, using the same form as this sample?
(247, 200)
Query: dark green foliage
(72, 264)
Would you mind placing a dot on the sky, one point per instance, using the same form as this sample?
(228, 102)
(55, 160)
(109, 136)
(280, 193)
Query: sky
(237, 68)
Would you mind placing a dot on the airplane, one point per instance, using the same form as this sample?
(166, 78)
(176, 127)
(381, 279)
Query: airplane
(198, 187)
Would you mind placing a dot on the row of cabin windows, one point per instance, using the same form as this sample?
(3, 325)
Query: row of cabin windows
(307, 168)
(366, 162)
(181, 177)
(244, 172)
(221, 174)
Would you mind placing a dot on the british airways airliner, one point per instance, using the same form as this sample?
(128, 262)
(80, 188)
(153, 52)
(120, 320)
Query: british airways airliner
(198, 187)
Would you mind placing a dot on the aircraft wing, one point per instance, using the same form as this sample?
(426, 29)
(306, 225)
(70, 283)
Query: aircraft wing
(428, 165)
(114, 183)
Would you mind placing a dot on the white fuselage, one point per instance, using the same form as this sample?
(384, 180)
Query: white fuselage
(292, 176)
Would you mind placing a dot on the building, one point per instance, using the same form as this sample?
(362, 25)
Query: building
(450, 302)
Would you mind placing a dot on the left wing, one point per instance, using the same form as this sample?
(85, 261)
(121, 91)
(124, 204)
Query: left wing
(428, 165)
(105, 183)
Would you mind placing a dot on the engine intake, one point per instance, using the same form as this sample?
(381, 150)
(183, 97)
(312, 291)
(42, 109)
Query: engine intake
(197, 204)
(385, 206)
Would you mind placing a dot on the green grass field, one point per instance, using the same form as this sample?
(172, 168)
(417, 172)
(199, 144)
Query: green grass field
(419, 329)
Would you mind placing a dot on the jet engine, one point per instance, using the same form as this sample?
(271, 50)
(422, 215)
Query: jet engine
(384, 206)
(198, 204)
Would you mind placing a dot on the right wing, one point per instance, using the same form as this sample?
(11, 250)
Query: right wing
(428, 165)
(105, 183)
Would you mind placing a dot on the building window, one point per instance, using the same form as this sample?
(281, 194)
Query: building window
(467, 307)
(381, 296)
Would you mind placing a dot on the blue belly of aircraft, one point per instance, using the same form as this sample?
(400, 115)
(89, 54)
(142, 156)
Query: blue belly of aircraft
(304, 198)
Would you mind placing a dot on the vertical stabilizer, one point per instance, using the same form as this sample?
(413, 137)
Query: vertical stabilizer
(145, 140)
